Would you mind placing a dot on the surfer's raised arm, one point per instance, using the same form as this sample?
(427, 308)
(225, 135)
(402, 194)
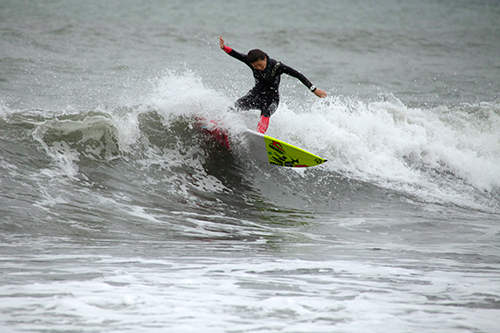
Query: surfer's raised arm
(264, 96)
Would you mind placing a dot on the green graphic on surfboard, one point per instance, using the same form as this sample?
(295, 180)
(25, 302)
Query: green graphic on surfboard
(270, 150)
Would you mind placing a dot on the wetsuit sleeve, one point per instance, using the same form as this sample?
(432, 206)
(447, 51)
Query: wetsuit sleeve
(235, 54)
(295, 73)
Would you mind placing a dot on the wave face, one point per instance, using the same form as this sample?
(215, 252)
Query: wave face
(444, 155)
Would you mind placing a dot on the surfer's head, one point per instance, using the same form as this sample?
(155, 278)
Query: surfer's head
(258, 59)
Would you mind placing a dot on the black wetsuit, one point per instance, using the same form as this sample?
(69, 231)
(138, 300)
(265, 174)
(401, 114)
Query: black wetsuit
(264, 96)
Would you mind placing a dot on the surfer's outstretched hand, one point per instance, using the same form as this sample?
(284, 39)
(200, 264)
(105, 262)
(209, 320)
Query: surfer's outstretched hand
(221, 42)
(320, 93)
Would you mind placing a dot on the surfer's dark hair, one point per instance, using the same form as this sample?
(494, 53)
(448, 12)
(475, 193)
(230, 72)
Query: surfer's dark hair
(256, 55)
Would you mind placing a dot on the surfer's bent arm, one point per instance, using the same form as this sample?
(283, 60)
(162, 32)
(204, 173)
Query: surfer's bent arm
(235, 54)
(295, 73)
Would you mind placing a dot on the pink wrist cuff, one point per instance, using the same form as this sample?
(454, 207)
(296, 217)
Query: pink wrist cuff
(227, 49)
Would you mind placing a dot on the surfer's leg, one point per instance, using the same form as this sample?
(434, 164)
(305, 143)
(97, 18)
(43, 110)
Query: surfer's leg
(269, 110)
(265, 114)
(263, 124)
(247, 102)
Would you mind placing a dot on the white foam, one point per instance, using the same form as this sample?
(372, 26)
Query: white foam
(442, 154)
(270, 294)
(186, 95)
(432, 152)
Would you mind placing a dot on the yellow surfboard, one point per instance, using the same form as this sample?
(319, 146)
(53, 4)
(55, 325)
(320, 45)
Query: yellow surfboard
(273, 151)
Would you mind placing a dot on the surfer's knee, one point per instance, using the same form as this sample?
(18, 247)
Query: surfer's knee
(269, 110)
(242, 104)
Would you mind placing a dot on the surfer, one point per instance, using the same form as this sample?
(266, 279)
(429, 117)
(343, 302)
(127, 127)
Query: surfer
(264, 96)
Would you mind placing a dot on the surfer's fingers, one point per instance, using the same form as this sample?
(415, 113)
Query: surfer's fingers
(320, 93)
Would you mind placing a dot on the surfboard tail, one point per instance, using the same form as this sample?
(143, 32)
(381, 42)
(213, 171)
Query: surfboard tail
(216, 132)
